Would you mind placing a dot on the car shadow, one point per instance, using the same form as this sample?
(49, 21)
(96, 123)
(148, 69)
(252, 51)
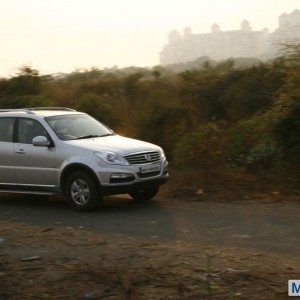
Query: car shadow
(117, 215)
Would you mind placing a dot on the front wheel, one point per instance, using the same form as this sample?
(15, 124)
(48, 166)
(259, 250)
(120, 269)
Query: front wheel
(83, 191)
(144, 194)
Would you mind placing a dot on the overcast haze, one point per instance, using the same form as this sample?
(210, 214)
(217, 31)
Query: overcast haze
(62, 35)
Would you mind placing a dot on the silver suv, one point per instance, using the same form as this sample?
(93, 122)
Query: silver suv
(62, 151)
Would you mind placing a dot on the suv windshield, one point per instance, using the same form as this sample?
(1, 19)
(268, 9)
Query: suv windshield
(79, 126)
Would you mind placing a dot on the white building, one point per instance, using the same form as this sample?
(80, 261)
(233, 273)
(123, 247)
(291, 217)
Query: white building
(288, 32)
(220, 44)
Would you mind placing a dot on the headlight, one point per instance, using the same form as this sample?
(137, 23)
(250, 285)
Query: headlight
(162, 153)
(111, 158)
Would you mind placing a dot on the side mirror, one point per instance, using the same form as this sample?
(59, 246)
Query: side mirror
(40, 141)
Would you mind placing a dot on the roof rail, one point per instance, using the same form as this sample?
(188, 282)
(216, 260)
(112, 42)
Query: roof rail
(49, 108)
(17, 110)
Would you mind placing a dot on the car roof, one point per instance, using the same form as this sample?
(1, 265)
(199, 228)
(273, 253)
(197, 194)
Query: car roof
(43, 111)
(50, 113)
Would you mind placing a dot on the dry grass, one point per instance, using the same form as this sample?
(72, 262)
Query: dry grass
(227, 185)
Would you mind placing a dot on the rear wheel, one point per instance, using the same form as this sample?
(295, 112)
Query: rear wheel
(83, 191)
(144, 194)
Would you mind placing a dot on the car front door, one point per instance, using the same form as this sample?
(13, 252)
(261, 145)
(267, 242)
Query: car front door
(7, 164)
(35, 166)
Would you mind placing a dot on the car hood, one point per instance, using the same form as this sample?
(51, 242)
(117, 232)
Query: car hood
(115, 143)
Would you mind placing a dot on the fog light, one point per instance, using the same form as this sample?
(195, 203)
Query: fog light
(121, 177)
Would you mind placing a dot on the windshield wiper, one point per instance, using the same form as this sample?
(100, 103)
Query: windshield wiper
(93, 136)
(87, 136)
(108, 134)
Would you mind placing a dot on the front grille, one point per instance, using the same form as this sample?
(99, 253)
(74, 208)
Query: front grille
(143, 158)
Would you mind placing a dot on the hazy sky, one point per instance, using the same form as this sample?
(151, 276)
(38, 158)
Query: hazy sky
(61, 35)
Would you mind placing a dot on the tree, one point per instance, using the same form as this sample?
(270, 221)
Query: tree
(98, 107)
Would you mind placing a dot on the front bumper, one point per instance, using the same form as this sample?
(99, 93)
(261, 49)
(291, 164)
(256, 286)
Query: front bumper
(126, 188)
(136, 181)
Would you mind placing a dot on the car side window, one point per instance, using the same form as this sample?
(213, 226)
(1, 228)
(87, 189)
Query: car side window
(29, 129)
(6, 129)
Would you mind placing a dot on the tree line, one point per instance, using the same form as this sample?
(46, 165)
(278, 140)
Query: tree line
(213, 116)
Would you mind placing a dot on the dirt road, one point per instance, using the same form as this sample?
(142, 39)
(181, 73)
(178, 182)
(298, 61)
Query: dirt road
(169, 248)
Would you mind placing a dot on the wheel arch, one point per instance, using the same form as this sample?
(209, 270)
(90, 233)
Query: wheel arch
(68, 170)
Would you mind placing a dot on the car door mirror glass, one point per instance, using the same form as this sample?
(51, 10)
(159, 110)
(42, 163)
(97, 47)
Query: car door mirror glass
(40, 141)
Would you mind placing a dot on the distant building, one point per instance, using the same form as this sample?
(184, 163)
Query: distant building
(219, 44)
(287, 32)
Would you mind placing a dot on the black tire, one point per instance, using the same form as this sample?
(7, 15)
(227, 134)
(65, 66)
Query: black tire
(144, 194)
(83, 191)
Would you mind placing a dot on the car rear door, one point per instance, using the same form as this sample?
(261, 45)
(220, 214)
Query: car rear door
(35, 166)
(7, 164)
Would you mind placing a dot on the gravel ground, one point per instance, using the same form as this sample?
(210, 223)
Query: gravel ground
(171, 248)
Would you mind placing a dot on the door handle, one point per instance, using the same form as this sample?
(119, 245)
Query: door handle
(21, 151)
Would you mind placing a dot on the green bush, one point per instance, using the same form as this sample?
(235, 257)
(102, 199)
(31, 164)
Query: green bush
(202, 148)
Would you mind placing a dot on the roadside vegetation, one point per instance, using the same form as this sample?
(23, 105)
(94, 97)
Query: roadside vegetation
(232, 118)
